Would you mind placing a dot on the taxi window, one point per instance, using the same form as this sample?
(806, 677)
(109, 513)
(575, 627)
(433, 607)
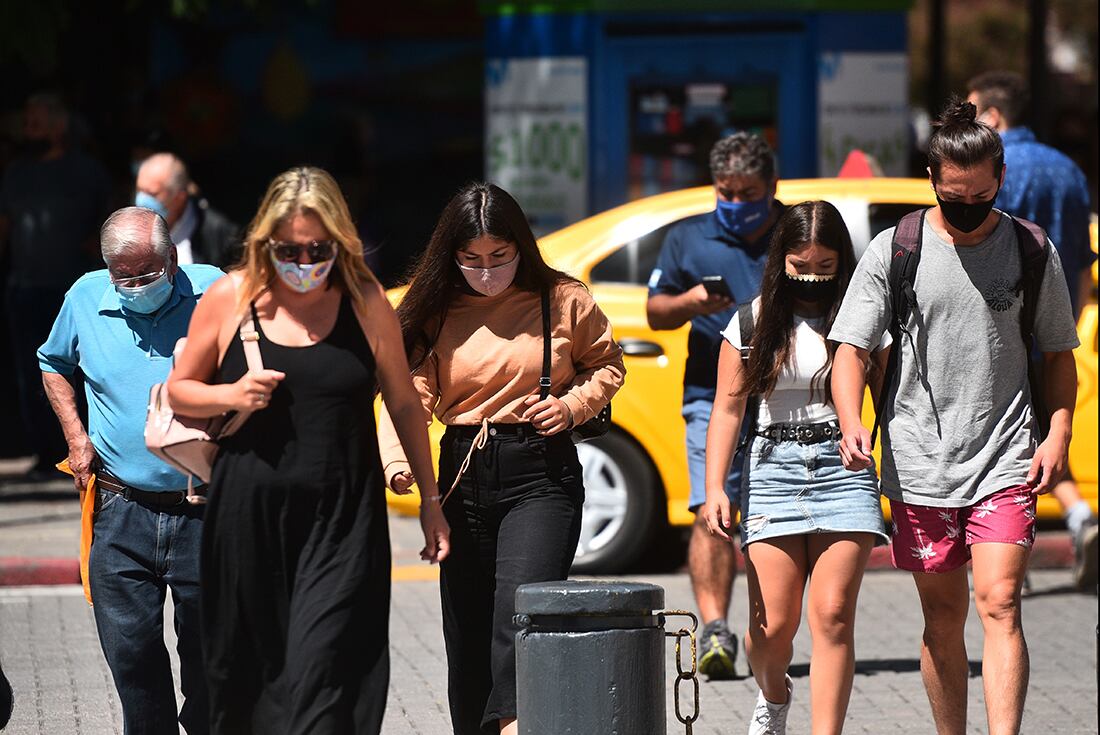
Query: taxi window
(634, 261)
(884, 216)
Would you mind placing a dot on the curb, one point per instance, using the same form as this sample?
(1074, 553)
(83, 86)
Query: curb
(20, 571)
(1052, 550)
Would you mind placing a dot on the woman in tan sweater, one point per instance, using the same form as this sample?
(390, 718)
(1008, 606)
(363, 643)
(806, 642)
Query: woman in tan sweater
(472, 323)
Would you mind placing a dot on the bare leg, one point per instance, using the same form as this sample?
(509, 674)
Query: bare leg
(776, 572)
(712, 566)
(945, 600)
(508, 727)
(837, 561)
(998, 575)
(1067, 494)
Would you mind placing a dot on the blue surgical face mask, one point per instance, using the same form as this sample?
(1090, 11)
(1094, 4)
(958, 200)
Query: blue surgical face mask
(742, 218)
(148, 201)
(148, 298)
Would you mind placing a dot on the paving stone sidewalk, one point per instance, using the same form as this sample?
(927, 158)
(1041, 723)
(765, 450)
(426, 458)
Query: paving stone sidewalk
(49, 650)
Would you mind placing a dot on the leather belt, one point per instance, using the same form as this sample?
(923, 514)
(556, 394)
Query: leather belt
(524, 430)
(801, 433)
(153, 500)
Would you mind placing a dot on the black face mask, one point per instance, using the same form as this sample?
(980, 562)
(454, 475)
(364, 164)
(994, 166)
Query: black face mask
(811, 290)
(965, 217)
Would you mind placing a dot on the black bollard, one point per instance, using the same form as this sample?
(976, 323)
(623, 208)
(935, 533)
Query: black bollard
(590, 659)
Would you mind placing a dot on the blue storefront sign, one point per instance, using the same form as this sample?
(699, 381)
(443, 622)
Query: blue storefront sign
(642, 93)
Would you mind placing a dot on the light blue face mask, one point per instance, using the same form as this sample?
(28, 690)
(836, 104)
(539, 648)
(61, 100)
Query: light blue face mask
(148, 298)
(148, 201)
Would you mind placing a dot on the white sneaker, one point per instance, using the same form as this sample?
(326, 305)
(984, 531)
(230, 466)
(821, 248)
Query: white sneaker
(768, 718)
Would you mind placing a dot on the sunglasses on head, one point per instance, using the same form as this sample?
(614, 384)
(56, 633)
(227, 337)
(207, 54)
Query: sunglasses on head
(290, 252)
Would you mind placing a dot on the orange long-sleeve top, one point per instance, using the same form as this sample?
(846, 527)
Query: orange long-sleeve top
(488, 359)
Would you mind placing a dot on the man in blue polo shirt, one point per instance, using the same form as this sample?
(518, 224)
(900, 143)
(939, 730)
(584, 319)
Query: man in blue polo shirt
(730, 242)
(1045, 186)
(119, 326)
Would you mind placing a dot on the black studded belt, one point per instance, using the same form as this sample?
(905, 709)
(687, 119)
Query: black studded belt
(801, 433)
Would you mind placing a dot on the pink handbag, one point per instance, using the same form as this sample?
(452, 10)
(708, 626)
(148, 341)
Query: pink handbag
(190, 444)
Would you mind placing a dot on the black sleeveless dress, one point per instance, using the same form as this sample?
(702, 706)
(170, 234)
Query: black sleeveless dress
(296, 553)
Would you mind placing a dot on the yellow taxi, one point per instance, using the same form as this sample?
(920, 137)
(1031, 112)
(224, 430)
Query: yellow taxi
(636, 477)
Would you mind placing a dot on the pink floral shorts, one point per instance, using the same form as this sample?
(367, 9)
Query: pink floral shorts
(938, 540)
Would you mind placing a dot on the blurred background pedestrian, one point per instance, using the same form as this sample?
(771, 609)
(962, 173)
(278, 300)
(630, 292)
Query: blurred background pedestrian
(200, 233)
(53, 198)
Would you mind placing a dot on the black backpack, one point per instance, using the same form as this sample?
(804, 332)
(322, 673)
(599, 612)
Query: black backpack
(905, 248)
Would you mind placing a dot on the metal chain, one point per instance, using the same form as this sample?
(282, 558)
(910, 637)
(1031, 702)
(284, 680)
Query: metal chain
(681, 674)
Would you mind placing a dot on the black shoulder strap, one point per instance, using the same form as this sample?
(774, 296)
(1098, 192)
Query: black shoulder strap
(746, 322)
(904, 259)
(1034, 255)
(544, 381)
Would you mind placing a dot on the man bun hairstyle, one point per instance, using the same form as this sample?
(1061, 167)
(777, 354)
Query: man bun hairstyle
(959, 139)
(1004, 90)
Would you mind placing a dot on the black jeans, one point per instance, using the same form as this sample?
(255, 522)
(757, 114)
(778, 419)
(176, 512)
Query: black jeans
(515, 518)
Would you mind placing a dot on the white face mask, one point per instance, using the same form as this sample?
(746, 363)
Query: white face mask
(490, 281)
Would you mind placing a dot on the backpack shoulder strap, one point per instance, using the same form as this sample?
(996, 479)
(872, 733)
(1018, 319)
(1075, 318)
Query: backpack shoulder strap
(1034, 255)
(747, 324)
(904, 259)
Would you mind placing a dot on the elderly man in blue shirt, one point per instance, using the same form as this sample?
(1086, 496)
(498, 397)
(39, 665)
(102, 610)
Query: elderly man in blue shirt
(118, 326)
(1043, 185)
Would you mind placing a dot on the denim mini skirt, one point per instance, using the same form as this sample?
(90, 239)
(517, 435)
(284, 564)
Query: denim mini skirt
(792, 489)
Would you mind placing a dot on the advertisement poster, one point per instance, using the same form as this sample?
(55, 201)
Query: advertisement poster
(863, 104)
(674, 124)
(536, 138)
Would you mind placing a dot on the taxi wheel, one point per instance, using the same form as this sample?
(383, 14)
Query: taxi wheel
(620, 508)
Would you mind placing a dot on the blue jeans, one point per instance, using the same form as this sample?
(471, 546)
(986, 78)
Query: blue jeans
(137, 555)
(696, 418)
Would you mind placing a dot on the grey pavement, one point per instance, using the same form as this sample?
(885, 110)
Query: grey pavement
(50, 652)
(40, 520)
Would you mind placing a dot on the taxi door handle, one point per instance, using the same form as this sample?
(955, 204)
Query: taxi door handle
(641, 348)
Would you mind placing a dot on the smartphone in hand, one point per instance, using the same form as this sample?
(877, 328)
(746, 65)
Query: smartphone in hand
(717, 286)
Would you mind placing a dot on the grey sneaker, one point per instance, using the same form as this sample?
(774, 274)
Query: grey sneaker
(768, 718)
(717, 650)
(1085, 555)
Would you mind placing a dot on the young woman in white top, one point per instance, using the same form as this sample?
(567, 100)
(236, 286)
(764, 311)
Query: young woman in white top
(804, 518)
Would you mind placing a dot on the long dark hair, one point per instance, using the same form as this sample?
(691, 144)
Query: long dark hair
(958, 138)
(801, 225)
(477, 210)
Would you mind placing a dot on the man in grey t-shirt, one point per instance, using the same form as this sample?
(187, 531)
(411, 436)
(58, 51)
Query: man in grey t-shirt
(961, 456)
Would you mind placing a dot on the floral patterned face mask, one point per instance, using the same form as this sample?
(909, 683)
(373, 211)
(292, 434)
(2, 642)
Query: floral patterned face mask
(303, 277)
